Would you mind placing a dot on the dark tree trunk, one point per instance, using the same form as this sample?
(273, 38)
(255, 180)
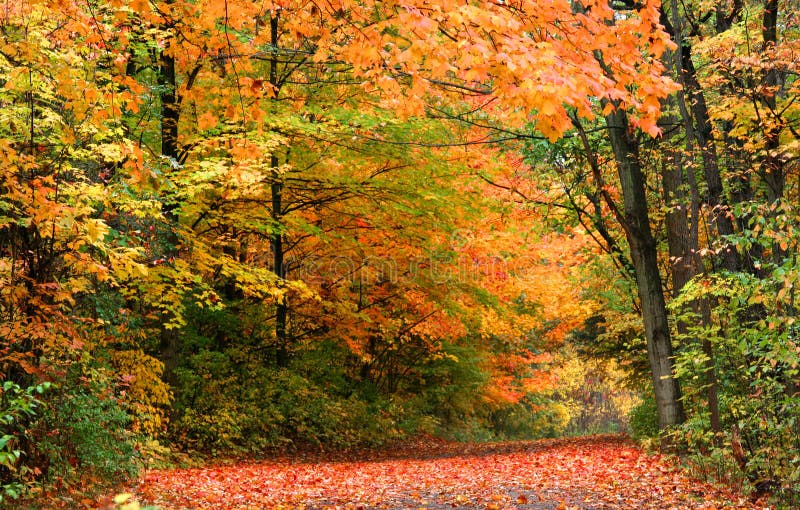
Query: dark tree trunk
(772, 170)
(170, 112)
(279, 268)
(645, 261)
(686, 264)
(169, 106)
(683, 239)
(276, 239)
(694, 113)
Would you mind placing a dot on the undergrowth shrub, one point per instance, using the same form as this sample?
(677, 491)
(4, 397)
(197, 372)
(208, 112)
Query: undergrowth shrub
(644, 419)
(146, 396)
(449, 394)
(83, 435)
(232, 398)
(69, 435)
(753, 337)
(18, 407)
(532, 418)
(229, 405)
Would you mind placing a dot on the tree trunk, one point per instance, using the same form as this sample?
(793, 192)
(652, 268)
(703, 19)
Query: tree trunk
(694, 113)
(276, 238)
(279, 268)
(772, 170)
(684, 240)
(685, 265)
(645, 261)
(169, 106)
(170, 112)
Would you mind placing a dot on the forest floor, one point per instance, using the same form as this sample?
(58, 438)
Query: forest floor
(597, 472)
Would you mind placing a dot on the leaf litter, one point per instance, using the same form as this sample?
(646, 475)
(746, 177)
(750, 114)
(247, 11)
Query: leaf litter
(595, 472)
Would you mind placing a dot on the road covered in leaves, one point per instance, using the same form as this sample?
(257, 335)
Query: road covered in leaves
(600, 472)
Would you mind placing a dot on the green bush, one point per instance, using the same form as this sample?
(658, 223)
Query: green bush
(450, 392)
(644, 419)
(228, 404)
(533, 417)
(17, 408)
(753, 335)
(82, 435)
(63, 435)
(230, 397)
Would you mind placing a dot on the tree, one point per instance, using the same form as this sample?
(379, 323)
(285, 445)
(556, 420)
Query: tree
(644, 255)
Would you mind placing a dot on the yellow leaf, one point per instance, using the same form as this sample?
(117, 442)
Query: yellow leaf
(96, 231)
(122, 498)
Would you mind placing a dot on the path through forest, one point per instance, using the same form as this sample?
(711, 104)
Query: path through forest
(597, 472)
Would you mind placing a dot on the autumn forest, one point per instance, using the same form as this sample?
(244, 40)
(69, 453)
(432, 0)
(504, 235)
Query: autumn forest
(245, 228)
